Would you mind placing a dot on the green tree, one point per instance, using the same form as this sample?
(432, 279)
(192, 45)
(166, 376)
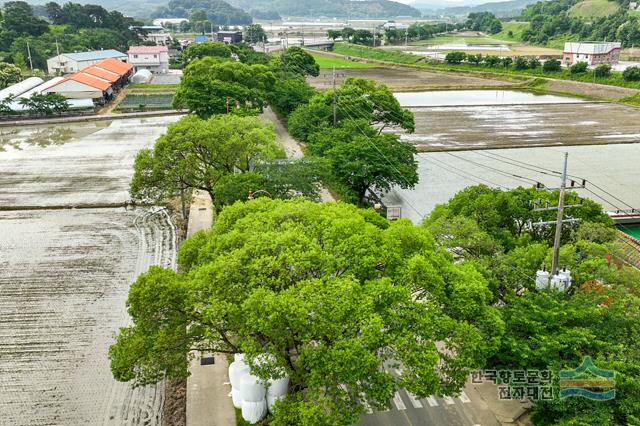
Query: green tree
(521, 63)
(9, 74)
(209, 86)
(334, 34)
(455, 57)
(18, 18)
(475, 59)
(356, 99)
(373, 162)
(196, 153)
(289, 92)
(254, 33)
(296, 60)
(551, 65)
(579, 68)
(602, 70)
(209, 48)
(347, 33)
(491, 60)
(631, 74)
(331, 292)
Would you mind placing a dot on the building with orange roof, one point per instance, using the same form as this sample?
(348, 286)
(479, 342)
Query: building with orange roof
(98, 81)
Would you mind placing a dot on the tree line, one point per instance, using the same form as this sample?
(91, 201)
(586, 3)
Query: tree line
(68, 28)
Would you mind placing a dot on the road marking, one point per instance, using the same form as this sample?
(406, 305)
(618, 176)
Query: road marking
(398, 401)
(448, 400)
(464, 397)
(414, 400)
(432, 401)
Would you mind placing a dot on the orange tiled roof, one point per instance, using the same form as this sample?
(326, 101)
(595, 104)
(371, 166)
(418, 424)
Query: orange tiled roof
(104, 74)
(114, 65)
(89, 80)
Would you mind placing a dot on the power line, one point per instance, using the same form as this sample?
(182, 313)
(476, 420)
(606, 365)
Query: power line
(502, 172)
(448, 167)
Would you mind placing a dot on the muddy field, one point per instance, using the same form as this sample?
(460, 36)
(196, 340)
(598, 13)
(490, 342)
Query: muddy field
(65, 273)
(91, 164)
(509, 126)
(409, 79)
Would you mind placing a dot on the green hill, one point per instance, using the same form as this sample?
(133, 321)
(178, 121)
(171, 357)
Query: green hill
(593, 9)
(330, 8)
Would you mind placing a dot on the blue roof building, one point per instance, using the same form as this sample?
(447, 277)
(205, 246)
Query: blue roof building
(67, 63)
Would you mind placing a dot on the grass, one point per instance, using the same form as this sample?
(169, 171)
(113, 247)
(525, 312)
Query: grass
(593, 9)
(376, 54)
(446, 39)
(615, 79)
(145, 102)
(328, 62)
(516, 28)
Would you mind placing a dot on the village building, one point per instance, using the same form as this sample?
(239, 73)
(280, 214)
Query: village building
(229, 37)
(593, 53)
(152, 58)
(154, 34)
(67, 63)
(97, 82)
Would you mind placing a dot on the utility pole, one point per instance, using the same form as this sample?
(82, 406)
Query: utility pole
(302, 30)
(29, 55)
(406, 37)
(335, 116)
(374, 36)
(559, 218)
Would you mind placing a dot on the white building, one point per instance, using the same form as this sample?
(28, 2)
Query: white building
(152, 58)
(172, 21)
(155, 34)
(68, 63)
(593, 53)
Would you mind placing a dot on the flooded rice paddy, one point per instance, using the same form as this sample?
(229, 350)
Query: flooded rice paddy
(65, 273)
(460, 120)
(443, 174)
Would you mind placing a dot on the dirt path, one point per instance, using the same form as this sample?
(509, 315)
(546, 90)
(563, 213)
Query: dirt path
(291, 146)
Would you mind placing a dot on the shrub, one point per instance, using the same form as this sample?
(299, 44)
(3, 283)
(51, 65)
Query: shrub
(521, 63)
(492, 60)
(455, 57)
(579, 67)
(603, 70)
(534, 63)
(475, 59)
(551, 65)
(631, 74)
(506, 61)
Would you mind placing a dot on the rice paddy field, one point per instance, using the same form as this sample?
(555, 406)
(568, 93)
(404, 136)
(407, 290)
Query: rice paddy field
(66, 271)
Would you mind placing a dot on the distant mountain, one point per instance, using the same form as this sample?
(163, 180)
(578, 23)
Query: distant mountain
(217, 11)
(138, 9)
(330, 8)
(501, 9)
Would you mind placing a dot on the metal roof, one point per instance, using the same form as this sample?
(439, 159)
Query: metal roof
(95, 55)
(590, 47)
(147, 49)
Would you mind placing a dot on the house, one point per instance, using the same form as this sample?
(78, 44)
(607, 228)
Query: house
(66, 63)
(229, 37)
(593, 53)
(394, 26)
(152, 58)
(155, 34)
(97, 82)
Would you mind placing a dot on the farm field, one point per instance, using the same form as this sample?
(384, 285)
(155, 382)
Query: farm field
(328, 62)
(398, 78)
(472, 120)
(66, 271)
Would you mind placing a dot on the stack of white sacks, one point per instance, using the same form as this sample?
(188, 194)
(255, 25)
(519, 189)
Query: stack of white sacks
(251, 394)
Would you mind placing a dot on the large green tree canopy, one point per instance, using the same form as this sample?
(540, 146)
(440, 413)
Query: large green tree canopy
(331, 291)
(356, 98)
(214, 86)
(197, 153)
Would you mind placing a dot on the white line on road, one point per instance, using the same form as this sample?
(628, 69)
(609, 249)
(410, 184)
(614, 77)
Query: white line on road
(448, 400)
(432, 401)
(414, 400)
(464, 397)
(398, 401)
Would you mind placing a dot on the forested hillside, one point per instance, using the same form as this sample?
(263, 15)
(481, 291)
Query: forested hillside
(217, 11)
(75, 28)
(334, 8)
(501, 9)
(553, 20)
